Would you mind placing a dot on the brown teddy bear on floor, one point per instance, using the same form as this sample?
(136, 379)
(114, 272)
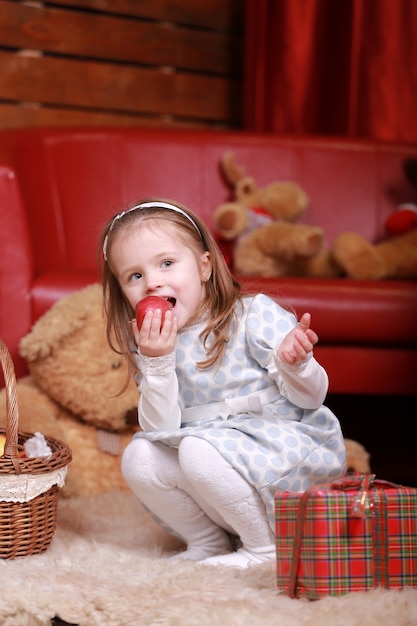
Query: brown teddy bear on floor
(261, 224)
(72, 392)
(357, 457)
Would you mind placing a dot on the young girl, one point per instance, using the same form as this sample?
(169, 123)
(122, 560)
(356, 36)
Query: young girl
(231, 396)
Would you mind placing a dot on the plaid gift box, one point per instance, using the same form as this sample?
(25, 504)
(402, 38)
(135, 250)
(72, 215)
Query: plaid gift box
(349, 535)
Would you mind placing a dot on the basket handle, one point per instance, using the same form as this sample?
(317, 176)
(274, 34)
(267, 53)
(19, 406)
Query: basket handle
(12, 423)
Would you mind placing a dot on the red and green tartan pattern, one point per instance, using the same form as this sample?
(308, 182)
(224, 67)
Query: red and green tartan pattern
(340, 553)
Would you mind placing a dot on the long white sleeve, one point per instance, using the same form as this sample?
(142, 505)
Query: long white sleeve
(304, 384)
(158, 404)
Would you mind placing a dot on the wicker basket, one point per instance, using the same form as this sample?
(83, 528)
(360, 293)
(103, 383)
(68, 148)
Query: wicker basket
(26, 527)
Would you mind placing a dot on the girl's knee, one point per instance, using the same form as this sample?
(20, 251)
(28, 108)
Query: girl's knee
(198, 458)
(193, 450)
(148, 462)
(137, 460)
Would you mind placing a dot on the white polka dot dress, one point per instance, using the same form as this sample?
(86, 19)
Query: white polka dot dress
(240, 408)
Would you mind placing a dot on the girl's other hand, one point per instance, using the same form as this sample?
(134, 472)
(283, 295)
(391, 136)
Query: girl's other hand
(298, 343)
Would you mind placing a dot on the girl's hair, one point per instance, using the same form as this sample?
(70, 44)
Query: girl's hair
(222, 291)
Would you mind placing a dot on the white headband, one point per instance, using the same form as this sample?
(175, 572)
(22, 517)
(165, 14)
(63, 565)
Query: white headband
(148, 205)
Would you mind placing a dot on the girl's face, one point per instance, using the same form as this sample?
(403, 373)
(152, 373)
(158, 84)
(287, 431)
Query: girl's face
(149, 260)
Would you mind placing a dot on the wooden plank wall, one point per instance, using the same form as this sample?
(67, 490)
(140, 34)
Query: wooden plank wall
(121, 62)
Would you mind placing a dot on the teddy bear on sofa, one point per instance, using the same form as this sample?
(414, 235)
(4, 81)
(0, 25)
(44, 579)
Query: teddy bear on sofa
(394, 256)
(259, 233)
(262, 225)
(72, 392)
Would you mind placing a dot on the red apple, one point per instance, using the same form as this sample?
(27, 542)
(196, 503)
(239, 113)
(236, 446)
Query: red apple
(151, 303)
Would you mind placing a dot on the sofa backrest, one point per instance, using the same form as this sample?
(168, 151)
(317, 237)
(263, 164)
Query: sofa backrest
(16, 267)
(73, 179)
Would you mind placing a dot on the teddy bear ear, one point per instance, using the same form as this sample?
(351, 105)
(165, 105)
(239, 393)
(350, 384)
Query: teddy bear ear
(60, 322)
(245, 189)
(232, 172)
(231, 220)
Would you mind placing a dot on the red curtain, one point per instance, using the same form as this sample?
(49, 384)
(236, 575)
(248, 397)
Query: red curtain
(332, 67)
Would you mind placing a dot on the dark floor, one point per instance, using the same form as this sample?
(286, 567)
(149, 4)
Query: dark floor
(387, 427)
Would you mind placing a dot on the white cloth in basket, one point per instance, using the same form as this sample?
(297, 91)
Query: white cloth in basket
(26, 487)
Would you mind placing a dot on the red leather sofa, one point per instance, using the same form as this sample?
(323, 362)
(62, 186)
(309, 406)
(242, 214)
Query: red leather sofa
(58, 187)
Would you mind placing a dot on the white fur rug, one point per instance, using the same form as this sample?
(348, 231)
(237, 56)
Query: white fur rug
(105, 568)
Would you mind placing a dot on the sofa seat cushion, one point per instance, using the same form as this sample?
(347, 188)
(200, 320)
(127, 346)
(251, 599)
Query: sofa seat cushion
(346, 311)
(52, 286)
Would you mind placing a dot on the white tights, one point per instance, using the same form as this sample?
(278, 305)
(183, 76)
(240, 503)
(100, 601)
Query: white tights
(196, 492)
